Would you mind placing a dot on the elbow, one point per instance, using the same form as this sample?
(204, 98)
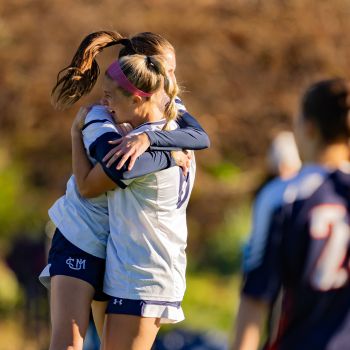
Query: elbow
(86, 192)
(207, 141)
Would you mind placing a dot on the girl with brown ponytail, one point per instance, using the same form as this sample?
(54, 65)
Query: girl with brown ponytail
(146, 261)
(77, 257)
(80, 76)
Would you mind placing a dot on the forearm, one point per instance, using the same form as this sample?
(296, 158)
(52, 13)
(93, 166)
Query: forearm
(80, 162)
(190, 136)
(147, 163)
(91, 180)
(250, 322)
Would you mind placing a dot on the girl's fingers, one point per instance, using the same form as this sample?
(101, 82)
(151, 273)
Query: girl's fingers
(110, 154)
(122, 130)
(132, 161)
(115, 156)
(116, 142)
(125, 157)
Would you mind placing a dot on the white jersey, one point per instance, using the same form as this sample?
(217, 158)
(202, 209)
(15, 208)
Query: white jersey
(148, 233)
(84, 222)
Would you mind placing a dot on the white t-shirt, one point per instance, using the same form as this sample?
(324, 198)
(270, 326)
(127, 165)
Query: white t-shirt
(148, 233)
(84, 222)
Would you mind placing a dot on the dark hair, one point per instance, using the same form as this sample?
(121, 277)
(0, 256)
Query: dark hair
(327, 104)
(80, 76)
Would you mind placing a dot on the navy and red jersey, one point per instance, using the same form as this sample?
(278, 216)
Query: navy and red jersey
(299, 247)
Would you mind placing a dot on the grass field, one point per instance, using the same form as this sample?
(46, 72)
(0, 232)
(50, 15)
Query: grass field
(210, 302)
(209, 305)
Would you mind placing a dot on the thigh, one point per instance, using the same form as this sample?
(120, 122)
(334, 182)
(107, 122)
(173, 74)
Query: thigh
(70, 301)
(67, 259)
(129, 332)
(99, 313)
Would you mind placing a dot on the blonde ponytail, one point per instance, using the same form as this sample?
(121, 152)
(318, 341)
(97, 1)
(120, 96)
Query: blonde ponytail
(171, 111)
(170, 87)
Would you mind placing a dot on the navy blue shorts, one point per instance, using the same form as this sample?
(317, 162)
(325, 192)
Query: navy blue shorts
(68, 260)
(135, 307)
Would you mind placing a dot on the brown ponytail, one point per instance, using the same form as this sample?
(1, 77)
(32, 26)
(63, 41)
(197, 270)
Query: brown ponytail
(80, 76)
(146, 43)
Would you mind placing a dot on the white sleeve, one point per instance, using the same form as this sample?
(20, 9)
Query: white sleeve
(97, 123)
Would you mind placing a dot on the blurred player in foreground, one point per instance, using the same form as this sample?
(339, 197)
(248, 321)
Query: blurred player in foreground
(299, 245)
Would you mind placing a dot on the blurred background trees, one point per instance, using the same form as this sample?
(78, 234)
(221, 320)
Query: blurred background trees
(242, 65)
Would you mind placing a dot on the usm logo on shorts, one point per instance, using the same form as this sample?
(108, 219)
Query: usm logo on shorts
(76, 264)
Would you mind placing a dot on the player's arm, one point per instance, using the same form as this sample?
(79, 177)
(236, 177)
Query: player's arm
(251, 317)
(95, 180)
(262, 264)
(85, 173)
(190, 136)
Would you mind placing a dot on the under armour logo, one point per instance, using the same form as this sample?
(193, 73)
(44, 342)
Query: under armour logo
(76, 264)
(116, 301)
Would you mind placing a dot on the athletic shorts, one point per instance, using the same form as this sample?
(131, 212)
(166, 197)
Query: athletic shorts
(68, 260)
(167, 312)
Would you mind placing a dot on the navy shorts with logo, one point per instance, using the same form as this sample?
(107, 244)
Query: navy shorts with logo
(134, 307)
(68, 260)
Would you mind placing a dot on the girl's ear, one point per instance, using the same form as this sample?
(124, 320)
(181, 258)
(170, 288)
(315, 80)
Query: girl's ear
(136, 100)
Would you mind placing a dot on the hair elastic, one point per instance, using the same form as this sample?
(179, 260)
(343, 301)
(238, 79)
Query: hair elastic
(116, 73)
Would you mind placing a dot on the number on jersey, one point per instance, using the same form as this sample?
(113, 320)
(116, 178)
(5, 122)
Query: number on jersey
(184, 188)
(329, 223)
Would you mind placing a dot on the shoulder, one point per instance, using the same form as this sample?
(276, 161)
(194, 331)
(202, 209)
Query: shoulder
(271, 195)
(306, 183)
(150, 126)
(278, 192)
(98, 113)
(97, 123)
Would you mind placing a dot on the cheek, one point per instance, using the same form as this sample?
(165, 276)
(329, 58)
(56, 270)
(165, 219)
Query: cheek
(113, 102)
(105, 101)
(172, 77)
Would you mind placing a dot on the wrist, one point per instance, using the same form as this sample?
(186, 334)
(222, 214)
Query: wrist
(146, 139)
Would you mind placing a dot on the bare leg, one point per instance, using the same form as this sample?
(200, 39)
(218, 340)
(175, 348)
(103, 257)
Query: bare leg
(70, 311)
(98, 311)
(126, 332)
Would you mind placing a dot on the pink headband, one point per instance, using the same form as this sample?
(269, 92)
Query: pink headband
(116, 73)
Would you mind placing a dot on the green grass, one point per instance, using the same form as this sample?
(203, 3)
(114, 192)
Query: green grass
(9, 290)
(20, 210)
(210, 302)
(224, 171)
